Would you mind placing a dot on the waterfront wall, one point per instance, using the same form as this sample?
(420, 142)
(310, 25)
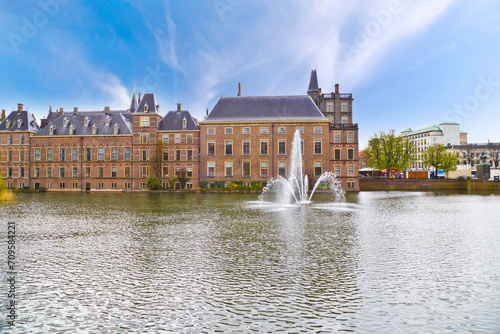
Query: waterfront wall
(426, 185)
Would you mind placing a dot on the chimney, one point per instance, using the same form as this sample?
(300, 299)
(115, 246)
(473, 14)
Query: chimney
(50, 108)
(20, 107)
(319, 91)
(336, 88)
(44, 122)
(139, 101)
(239, 88)
(61, 111)
(3, 115)
(106, 110)
(75, 111)
(178, 108)
(207, 112)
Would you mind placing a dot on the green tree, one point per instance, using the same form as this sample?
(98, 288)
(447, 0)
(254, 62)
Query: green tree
(436, 156)
(182, 177)
(390, 152)
(157, 159)
(154, 183)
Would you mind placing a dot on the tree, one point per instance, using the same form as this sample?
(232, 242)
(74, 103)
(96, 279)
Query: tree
(469, 154)
(494, 150)
(436, 156)
(154, 183)
(390, 152)
(157, 159)
(182, 177)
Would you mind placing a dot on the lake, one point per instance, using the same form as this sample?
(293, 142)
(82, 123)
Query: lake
(382, 262)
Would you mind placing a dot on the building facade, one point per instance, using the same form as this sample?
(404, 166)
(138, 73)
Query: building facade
(242, 139)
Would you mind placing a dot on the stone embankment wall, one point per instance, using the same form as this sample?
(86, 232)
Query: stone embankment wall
(426, 185)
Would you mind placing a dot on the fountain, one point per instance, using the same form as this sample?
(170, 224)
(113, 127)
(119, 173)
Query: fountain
(294, 190)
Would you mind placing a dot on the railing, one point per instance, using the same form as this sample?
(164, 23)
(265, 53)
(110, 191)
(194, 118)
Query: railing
(344, 126)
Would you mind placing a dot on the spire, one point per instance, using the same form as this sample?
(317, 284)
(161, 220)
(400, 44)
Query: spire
(133, 104)
(313, 82)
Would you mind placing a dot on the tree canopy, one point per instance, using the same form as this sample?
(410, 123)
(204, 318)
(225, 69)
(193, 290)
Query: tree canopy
(156, 159)
(390, 152)
(436, 156)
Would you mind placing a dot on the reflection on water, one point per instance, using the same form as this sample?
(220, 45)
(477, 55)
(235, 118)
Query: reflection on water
(382, 262)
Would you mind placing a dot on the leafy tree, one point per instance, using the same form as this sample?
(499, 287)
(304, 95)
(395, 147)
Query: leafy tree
(156, 159)
(494, 150)
(436, 156)
(154, 183)
(182, 177)
(390, 152)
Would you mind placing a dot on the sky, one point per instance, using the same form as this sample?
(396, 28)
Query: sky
(408, 63)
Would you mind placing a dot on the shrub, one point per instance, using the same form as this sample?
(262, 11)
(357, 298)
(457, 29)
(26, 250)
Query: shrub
(203, 184)
(153, 183)
(172, 182)
(233, 186)
(219, 184)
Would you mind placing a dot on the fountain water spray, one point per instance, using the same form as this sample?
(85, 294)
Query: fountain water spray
(295, 188)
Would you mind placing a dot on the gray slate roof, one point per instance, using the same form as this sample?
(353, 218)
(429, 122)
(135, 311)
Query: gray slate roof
(133, 103)
(265, 108)
(148, 104)
(28, 122)
(95, 117)
(173, 121)
(313, 82)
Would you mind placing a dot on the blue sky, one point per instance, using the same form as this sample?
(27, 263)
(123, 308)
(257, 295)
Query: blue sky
(407, 63)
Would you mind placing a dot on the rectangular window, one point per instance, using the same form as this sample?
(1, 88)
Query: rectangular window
(144, 155)
(11, 139)
(165, 138)
(343, 106)
(21, 155)
(337, 170)
(37, 172)
(62, 185)
(189, 155)
(263, 147)
(263, 168)
(177, 155)
(127, 171)
(229, 168)
(164, 171)
(74, 154)
(211, 168)
(113, 171)
(127, 185)
(337, 154)
(61, 171)
(100, 171)
(211, 147)
(246, 147)
(281, 147)
(113, 185)
(100, 185)
(49, 154)
(228, 131)
(114, 153)
(189, 138)
(87, 171)
(302, 146)
(246, 131)
(329, 107)
(144, 138)
(301, 129)
(74, 172)
(282, 168)
(317, 129)
(37, 154)
(344, 120)
(189, 171)
(336, 138)
(317, 147)
(165, 155)
(88, 153)
(49, 171)
(281, 130)
(350, 184)
(177, 171)
(9, 173)
(229, 147)
(9, 155)
(177, 138)
(62, 154)
(350, 137)
(246, 168)
(21, 171)
(317, 168)
(100, 154)
(144, 185)
(144, 121)
(211, 131)
(350, 170)
(49, 185)
(144, 171)
(127, 153)
(350, 154)
(263, 131)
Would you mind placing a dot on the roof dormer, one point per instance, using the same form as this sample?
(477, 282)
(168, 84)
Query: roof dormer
(52, 129)
(108, 120)
(72, 129)
(184, 123)
(145, 107)
(94, 129)
(7, 123)
(65, 121)
(116, 128)
(19, 123)
(86, 121)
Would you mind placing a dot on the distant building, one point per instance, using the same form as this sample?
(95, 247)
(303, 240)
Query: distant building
(446, 133)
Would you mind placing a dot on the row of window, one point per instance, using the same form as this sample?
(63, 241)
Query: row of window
(100, 185)
(245, 169)
(145, 138)
(64, 154)
(344, 107)
(10, 139)
(263, 130)
(264, 147)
